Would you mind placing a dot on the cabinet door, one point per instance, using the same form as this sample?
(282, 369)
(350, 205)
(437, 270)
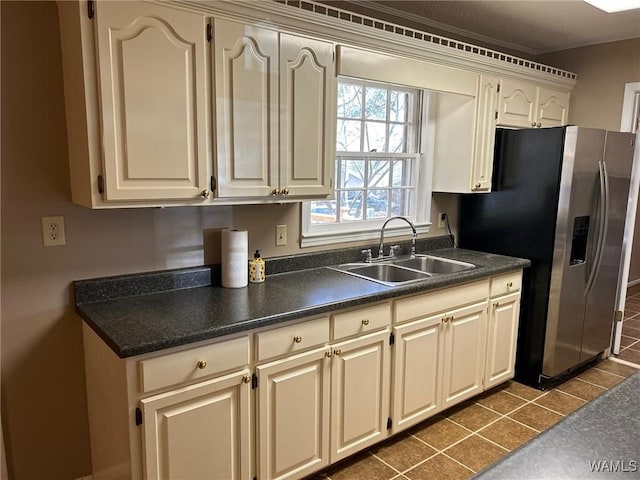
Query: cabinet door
(360, 373)
(485, 134)
(154, 77)
(552, 108)
(307, 99)
(200, 431)
(501, 339)
(516, 104)
(246, 80)
(417, 363)
(464, 346)
(293, 415)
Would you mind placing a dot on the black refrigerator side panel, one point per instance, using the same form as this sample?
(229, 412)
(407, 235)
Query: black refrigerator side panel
(518, 218)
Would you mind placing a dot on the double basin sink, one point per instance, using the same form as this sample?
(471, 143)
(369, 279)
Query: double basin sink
(403, 270)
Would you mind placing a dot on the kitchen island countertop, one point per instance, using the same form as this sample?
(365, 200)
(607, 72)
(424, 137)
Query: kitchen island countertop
(599, 440)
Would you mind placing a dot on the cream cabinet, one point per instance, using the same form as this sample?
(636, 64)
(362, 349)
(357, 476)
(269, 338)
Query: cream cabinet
(285, 401)
(417, 363)
(151, 107)
(527, 105)
(199, 431)
(318, 406)
(439, 353)
(463, 351)
(360, 375)
(293, 422)
(275, 96)
(464, 137)
(502, 331)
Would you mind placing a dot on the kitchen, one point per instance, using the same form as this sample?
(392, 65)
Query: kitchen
(41, 337)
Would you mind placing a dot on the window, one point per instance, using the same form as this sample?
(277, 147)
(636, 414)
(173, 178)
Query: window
(376, 166)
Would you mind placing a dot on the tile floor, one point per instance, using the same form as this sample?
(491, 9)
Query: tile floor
(461, 441)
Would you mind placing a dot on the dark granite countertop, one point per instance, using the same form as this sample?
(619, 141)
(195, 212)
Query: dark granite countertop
(136, 314)
(599, 440)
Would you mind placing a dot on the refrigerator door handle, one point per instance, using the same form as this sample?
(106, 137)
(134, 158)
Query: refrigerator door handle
(603, 224)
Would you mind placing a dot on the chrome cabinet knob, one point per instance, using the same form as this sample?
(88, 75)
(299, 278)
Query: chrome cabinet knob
(285, 191)
(202, 364)
(246, 379)
(365, 322)
(533, 124)
(276, 191)
(205, 193)
(297, 339)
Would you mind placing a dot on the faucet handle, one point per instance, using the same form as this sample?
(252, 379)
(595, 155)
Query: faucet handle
(367, 252)
(393, 249)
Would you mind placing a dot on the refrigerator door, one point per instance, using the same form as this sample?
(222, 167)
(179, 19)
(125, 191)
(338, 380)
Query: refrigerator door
(601, 297)
(579, 231)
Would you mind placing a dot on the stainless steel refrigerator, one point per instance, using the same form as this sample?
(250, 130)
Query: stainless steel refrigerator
(559, 198)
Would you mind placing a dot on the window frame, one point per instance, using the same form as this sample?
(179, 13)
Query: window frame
(325, 234)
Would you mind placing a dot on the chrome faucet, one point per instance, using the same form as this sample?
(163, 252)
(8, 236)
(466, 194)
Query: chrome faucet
(414, 236)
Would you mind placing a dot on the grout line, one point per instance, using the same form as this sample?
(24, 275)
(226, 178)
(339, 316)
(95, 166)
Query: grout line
(460, 463)
(398, 472)
(624, 362)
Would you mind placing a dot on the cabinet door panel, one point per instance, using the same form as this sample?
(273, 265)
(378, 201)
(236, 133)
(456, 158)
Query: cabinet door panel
(200, 431)
(293, 403)
(307, 98)
(246, 62)
(416, 372)
(501, 339)
(516, 105)
(464, 349)
(154, 78)
(485, 134)
(553, 108)
(359, 393)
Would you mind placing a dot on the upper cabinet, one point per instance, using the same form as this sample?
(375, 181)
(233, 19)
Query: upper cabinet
(526, 105)
(214, 103)
(275, 96)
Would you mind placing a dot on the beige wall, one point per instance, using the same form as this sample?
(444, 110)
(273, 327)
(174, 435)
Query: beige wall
(43, 400)
(596, 101)
(603, 70)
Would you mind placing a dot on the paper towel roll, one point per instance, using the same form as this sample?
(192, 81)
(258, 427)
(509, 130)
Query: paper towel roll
(235, 257)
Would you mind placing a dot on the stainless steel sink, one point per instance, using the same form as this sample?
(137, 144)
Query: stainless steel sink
(433, 265)
(385, 273)
(400, 271)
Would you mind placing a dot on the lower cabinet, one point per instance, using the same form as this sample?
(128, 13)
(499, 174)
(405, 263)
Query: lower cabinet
(199, 431)
(438, 358)
(359, 393)
(293, 415)
(502, 338)
(284, 402)
(463, 353)
(317, 407)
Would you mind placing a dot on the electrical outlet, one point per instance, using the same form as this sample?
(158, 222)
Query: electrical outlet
(442, 220)
(281, 235)
(53, 231)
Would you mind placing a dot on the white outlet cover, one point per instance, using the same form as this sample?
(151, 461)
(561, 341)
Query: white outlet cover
(53, 233)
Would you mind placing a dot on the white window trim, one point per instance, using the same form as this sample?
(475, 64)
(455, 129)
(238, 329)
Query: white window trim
(371, 230)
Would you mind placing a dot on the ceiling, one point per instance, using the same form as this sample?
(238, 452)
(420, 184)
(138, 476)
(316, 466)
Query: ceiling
(531, 26)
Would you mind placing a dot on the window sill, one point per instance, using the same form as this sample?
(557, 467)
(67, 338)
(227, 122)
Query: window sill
(311, 240)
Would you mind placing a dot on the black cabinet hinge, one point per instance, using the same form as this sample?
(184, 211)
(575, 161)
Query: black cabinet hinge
(91, 8)
(209, 32)
(100, 184)
(389, 423)
(254, 381)
(213, 183)
(392, 339)
(138, 417)
(498, 88)
(496, 115)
